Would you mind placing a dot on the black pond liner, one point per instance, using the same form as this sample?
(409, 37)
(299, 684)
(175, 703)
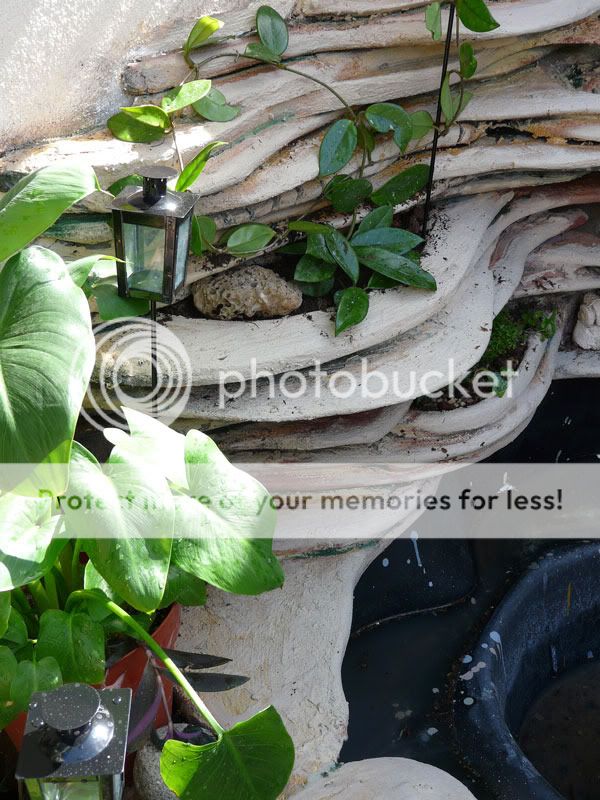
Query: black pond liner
(546, 625)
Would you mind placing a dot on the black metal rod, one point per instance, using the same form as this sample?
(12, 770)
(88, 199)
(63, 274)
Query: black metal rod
(438, 121)
(153, 356)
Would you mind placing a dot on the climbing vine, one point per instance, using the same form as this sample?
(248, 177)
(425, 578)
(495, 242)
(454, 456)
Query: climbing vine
(365, 251)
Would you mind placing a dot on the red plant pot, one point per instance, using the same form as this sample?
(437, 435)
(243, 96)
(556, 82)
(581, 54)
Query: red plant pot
(126, 673)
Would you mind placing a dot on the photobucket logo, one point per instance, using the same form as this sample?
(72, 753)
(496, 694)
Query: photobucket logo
(123, 373)
(366, 383)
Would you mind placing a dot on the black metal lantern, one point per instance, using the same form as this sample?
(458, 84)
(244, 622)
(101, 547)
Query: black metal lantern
(152, 227)
(75, 744)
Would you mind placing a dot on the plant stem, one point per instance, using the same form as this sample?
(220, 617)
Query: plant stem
(438, 120)
(179, 158)
(156, 649)
(39, 596)
(346, 105)
(66, 565)
(76, 569)
(51, 591)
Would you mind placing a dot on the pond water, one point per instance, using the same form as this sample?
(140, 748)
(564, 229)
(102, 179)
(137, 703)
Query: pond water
(561, 733)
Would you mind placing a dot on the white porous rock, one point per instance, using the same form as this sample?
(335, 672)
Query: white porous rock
(389, 778)
(587, 329)
(246, 293)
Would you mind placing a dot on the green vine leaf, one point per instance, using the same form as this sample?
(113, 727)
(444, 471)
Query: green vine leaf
(194, 169)
(386, 117)
(378, 218)
(345, 193)
(312, 270)
(204, 28)
(337, 147)
(475, 15)
(341, 250)
(110, 303)
(128, 180)
(141, 124)
(452, 103)
(261, 53)
(398, 267)
(316, 246)
(402, 187)
(433, 20)
(204, 233)
(272, 30)
(249, 238)
(251, 761)
(377, 281)
(422, 123)
(214, 107)
(468, 62)
(185, 95)
(396, 240)
(82, 269)
(305, 226)
(318, 289)
(352, 308)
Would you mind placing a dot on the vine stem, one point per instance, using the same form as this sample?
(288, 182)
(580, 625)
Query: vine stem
(346, 105)
(176, 146)
(438, 122)
(156, 649)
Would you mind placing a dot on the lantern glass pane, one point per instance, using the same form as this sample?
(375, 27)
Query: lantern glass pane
(144, 249)
(183, 238)
(82, 789)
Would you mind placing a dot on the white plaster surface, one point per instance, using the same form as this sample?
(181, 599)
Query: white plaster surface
(61, 60)
(386, 779)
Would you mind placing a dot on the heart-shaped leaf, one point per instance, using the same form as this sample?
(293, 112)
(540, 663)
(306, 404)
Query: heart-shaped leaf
(126, 515)
(422, 123)
(41, 675)
(337, 147)
(352, 308)
(320, 289)
(184, 588)
(226, 525)
(272, 30)
(402, 187)
(76, 641)
(38, 200)
(204, 28)
(386, 117)
(468, 62)
(433, 20)
(249, 238)
(261, 53)
(341, 250)
(47, 353)
(251, 761)
(311, 270)
(81, 269)
(215, 108)
(184, 95)
(140, 124)
(475, 15)
(29, 540)
(112, 306)
(194, 169)
(346, 194)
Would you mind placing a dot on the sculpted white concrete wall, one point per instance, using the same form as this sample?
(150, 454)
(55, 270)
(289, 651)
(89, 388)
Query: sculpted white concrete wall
(61, 60)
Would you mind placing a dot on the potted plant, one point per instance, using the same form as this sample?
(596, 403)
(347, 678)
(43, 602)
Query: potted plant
(87, 552)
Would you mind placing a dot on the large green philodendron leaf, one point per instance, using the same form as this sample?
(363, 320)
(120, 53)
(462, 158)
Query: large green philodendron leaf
(47, 353)
(29, 540)
(41, 675)
(251, 761)
(126, 519)
(4, 612)
(38, 200)
(76, 641)
(225, 528)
